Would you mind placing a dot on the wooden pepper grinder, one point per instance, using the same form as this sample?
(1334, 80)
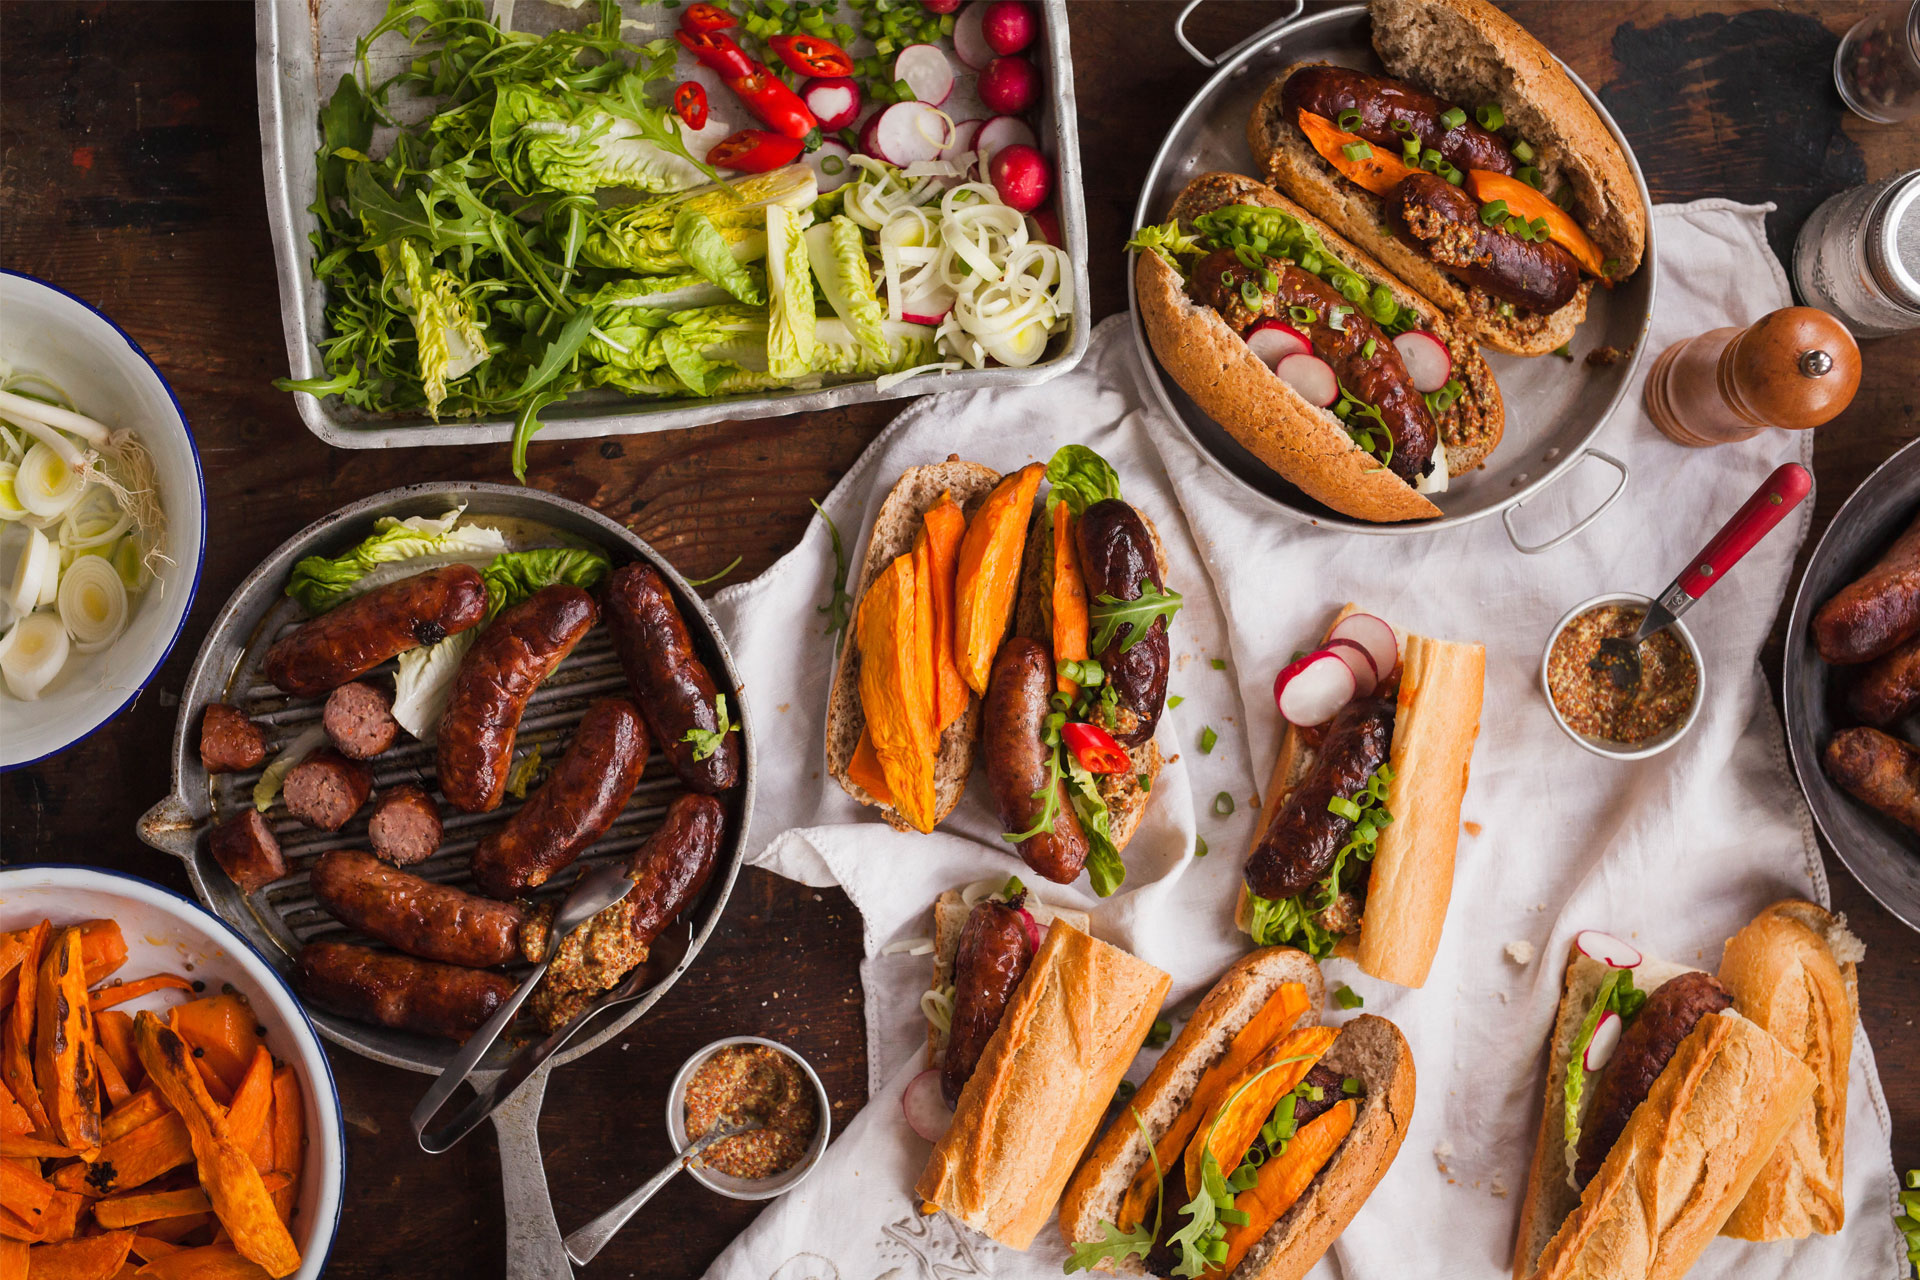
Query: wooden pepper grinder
(1794, 368)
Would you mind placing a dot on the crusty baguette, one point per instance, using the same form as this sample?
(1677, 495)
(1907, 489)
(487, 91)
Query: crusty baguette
(1792, 972)
(1435, 725)
(1305, 444)
(1684, 1161)
(950, 912)
(894, 530)
(1072, 1028)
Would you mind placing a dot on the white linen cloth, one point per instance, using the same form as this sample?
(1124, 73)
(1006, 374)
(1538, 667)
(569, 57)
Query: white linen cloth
(1675, 853)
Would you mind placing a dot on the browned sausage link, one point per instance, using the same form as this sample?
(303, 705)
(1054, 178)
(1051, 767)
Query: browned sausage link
(399, 991)
(573, 807)
(1876, 611)
(1305, 837)
(229, 742)
(1888, 690)
(421, 918)
(347, 642)
(671, 868)
(326, 789)
(245, 848)
(1539, 276)
(1332, 1087)
(359, 720)
(1327, 91)
(404, 827)
(1645, 1048)
(1018, 764)
(995, 950)
(674, 688)
(1218, 281)
(1116, 556)
(490, 691)
(1879, 769)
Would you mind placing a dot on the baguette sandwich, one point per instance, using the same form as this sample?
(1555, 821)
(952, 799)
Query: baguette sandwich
(1255, 1139)
(1350, 385)
(1474, 170)
(1353, 854)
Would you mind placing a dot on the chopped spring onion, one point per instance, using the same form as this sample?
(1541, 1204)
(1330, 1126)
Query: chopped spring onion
(32, 654)
(1223, 805)
(1337, 318)
(1357, 151)
(1490, 116)
(1453, 117)
(1493, 214)
(1349, 120)
(1207, 738)
(36, 573)
(1523, 151)
(92, 603)
(1302, 315)
(1530, 176)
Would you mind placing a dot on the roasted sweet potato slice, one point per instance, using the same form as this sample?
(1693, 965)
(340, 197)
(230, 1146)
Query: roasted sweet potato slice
(121, 992)
(63, 1052)
(13, 1259)
(987, 573)
(1067, 597)
(289, 1138)
(896, 694)
(210, 1262)
(225, 1033)
(941, 531)
(88, 1258)
(1232, 1123)
(16, 1040)
(131, 1160)
(1284, 1177)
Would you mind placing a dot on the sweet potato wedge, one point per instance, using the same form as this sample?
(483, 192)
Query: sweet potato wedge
(13, 1259)
(224, 1031)
(147, 1248)
(88, 1258)
(121, 992)
(62, 1218)
(209, 1262)
(16, 1041)
(142, 1108)
(23, 1190)
(136, 1207)
(14, 1120)
(289, 1139)
(63, 1050)
(131, 1160)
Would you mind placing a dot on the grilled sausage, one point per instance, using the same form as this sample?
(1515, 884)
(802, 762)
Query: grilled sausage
(1878, 610)
(1645, 1048)
(421, 918)
(996, 947)
(1332, 1087)
(229, 742)
(359, 720)
(398, 991)
(1445, 221)
(573, 807)
(1018, 765)
(1328, 90)
(404, 827)
(674, 688)
(326, 789)
(490, 691)
(1888, 690)
(1879, 769)
(347, 642)
(1305, 836)
(1117, 555)
(246, 850)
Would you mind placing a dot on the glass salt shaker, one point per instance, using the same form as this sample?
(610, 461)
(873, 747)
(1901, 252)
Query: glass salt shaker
(1877, 67)
(1858, 257)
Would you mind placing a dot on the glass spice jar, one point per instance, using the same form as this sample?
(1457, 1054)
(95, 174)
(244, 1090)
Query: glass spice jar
(1877, 67)
(1858, 257)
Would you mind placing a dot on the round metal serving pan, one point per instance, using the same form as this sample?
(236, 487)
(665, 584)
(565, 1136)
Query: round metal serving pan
(1882, 855)
(281, 917)
(1553, 408)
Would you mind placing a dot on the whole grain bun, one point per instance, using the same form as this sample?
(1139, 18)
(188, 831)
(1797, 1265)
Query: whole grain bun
(1048, 1073)
(1306, 444)
(894, 530)
(1792, 971)
(950, 912)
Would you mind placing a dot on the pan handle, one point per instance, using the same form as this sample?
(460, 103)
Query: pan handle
(1535, 549)
(172, 828)
(534, 1249)
(1180, 34)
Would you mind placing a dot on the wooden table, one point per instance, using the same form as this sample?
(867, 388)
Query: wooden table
(132, 178)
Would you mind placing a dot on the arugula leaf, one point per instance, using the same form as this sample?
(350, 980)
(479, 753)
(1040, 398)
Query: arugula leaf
(1137, 1243)
(839, 606)
(1105, 870)
(559, 353)
(707, 741)
(1108, 614)
(525, 425)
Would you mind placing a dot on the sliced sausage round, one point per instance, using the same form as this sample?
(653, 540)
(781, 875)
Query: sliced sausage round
(229, 742)
(326, 789)
(245, 848)
(404, 827)
(359, 720)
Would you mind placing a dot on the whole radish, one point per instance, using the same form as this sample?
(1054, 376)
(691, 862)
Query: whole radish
(1049, 223)
(1008, 25)
(1022, 177)
(940, 6)
(1009, 85)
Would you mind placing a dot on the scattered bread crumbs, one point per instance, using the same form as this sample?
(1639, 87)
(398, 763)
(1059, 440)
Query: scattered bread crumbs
(1520, 951)
(1499, 1189)
(1474, 828)
(782, 708)
(1602, 357)
(1442, 1151)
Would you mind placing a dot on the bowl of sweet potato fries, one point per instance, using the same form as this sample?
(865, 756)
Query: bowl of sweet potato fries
(166, 1109)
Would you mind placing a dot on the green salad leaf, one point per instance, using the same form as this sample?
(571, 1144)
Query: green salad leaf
(790, 328)
(1079, 477)
(838, 256)
(396, 549)
(1617, 994)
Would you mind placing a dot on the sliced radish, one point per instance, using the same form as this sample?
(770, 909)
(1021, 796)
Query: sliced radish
(1606, 1038)
(1008, 26)
(831, 165)
(969, 40)
(1022, 177)
(926, 71)
(1428, 363)
(1374, 635)
(1272, 341)
(1033, 928)
(927, 1113)
(1366, 676)
(835, 101)
(1312, 690)
(1009, 85)
(869, 137)
(1049, 224)
(909, 132)
(965, 133)
(1002, 131)
(1607, 949)
(1311, 376)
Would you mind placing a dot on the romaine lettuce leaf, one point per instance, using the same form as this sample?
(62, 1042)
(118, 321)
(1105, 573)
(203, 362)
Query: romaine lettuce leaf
(640, 237)
(679, 291)
(1618, 995)
(446, 333)
(1080, 477)
(790, 286)
(575, 144)
(515, 575)
(838, 256)
(710, 251)
(423, 682)
(397, 549)
(838, 352)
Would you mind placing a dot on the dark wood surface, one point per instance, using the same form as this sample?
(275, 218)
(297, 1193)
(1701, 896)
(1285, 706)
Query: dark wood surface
(130, 175)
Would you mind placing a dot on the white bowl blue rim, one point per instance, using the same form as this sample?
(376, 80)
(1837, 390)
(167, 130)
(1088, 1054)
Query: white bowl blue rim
(221, 929)
(200, 552)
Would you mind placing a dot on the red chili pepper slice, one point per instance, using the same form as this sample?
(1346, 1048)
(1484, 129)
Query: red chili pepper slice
(754, 151)
(812, 56)
(690, 104)
(707, 17)
(1095, 748)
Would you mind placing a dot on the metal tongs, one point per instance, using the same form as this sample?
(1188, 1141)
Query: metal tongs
(593, 891)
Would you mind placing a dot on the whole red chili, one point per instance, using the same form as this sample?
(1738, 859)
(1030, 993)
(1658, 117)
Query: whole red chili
(690, 104)
(765, 94)
(718, 51)
(812, 56)
(754, 151)
(707, 17)
(1095, 748)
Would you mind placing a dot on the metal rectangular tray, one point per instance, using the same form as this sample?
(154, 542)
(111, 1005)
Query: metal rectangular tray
(303, 47)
